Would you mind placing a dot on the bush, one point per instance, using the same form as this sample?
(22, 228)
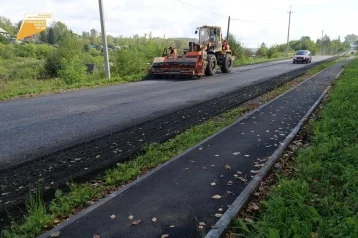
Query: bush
(72, 70)
(128, 62)
(4, 40)
(43, 50)
(262, 52)
(52, 64)
(28, 70)
(25, 50)
(70, 47)
(272, 52)
(6, 51)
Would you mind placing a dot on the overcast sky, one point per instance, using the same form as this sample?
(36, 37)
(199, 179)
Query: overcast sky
(256, 21)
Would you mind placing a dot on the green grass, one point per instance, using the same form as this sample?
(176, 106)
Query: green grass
(248, 61)
(33, 87)
(321, 197)
(80, 195)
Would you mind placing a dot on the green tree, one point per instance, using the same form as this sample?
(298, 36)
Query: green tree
(7, 25)
(93, 33)
(351, 38)
(51, 38)
(262, 51)
(235, 46)
(60, 29)
(43, 36)
(18, 26)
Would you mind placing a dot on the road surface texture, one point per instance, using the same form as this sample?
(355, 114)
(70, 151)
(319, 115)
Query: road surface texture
(34, 127)
(180, 193)
(41, 137)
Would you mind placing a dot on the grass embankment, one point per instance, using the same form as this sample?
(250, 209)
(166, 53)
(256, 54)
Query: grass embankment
(23, 82)
(40, 217)
(22, 73)
(320, 197)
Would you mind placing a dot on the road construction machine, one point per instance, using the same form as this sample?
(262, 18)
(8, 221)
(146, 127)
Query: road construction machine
(201, 58)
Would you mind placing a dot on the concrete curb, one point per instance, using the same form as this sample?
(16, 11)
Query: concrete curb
(244, 196)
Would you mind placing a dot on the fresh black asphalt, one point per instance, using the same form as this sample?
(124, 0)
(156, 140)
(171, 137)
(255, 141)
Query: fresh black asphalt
(30, 128)
(179, 194)
(81, 161)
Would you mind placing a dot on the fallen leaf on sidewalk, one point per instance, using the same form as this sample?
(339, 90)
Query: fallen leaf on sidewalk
(221, 209)
(218, 215)
(216, 197)
(227, 166)
(130, 217)
(154, 219)
(136, 222)
(56, 234)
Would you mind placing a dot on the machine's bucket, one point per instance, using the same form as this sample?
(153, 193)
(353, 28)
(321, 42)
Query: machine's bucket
(176, 66)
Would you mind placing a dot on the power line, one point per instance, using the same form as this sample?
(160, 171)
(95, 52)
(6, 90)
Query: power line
(201, 9)
(232, 19)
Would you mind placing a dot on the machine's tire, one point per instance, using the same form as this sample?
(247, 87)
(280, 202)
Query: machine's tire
(211, 66)
(226, 67)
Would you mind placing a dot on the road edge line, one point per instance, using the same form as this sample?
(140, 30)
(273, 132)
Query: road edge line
(244, 196)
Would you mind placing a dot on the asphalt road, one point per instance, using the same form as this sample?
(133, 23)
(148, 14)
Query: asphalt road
(33, 127)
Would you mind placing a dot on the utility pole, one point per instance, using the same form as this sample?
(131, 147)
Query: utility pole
(104, 41)
(228, 28)
(321, 42)
(288, 33)
(336, 45)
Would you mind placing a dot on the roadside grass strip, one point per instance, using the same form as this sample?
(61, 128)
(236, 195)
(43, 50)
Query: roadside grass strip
(41, 216)
(319, 198)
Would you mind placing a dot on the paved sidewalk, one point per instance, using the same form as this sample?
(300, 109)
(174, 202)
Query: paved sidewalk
(179, 193)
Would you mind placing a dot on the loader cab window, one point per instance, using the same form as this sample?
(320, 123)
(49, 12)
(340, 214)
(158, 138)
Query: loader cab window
(212, 35)
(204, 35)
